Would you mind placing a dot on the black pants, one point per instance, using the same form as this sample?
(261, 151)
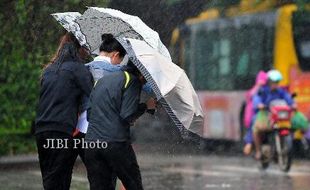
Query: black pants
(79, 151)
(118, 158)
(56, 162)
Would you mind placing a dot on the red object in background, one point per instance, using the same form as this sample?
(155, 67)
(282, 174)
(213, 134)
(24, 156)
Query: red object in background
(300, 84)
(222, 111)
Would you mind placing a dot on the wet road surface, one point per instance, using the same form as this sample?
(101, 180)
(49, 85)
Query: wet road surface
(181, 172)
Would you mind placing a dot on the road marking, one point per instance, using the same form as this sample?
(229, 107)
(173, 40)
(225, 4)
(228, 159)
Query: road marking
(222, 186)
(292, 173)
(229, 171)
(201, 172)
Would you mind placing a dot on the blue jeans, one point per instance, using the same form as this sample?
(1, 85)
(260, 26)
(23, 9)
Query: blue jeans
(248, 138)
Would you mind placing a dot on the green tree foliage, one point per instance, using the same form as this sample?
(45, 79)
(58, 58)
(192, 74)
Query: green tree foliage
(29, 36)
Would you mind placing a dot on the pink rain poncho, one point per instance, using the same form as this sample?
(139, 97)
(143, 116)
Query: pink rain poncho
(261, 79)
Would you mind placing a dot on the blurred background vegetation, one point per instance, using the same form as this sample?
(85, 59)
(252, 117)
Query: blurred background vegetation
(29, 36)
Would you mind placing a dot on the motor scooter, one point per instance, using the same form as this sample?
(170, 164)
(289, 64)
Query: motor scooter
(277, 142)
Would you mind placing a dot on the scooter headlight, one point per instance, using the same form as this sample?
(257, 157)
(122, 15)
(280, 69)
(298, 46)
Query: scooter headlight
(283, 115)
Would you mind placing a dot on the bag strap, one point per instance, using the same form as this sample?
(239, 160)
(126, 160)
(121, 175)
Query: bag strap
(127, 79)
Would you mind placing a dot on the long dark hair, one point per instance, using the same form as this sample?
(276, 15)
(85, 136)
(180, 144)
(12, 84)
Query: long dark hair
(68, 49)
(109, 44)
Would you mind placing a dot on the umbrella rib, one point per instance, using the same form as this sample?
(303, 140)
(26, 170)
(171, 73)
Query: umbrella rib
(127, 31)
(87, 44)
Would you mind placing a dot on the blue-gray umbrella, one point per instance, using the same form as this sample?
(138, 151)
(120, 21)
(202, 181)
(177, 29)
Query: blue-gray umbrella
(97, 21)
(68, 21)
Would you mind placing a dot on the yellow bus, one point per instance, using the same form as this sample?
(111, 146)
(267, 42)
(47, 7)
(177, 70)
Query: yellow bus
(223, 54)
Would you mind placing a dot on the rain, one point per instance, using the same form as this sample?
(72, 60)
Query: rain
(212, 66)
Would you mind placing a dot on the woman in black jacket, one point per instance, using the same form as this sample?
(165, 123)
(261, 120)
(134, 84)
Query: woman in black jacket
(64, 81)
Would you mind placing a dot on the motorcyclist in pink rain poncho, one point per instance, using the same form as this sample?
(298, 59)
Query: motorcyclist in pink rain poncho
(261, 80)
(262, 100)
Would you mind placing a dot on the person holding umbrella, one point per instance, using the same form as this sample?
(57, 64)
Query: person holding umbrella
(111, 54)
(169, 83)
(64, 81)
(114, 106)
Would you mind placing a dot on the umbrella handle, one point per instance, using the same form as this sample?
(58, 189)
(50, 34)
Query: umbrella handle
(151, 111)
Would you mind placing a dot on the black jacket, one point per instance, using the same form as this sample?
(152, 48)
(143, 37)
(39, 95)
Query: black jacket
(62, 86)
(114, 105)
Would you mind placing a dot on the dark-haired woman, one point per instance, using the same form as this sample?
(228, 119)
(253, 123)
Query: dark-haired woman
(114, 106)
(111, 54)
(64, 81)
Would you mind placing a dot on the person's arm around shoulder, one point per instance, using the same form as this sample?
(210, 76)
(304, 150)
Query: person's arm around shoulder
(84, 78)
(258, 101)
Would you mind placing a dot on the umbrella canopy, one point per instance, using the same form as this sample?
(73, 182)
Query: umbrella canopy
(170, 84)
(68, 21)
(97, 21)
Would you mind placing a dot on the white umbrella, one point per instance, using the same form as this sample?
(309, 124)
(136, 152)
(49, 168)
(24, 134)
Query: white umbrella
(97, 21)
(68, 21)
(170, 84)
